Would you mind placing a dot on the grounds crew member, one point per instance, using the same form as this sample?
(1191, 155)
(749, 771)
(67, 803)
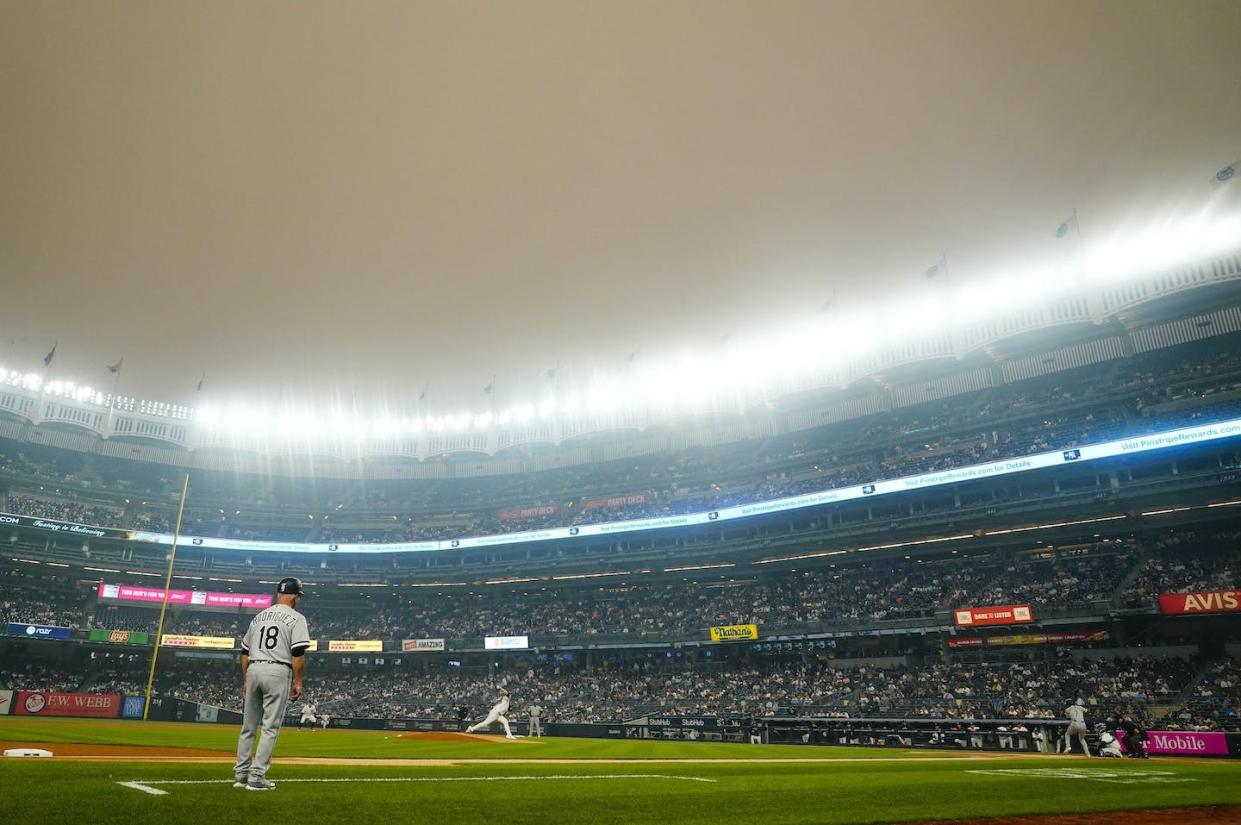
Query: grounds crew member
(273, 663)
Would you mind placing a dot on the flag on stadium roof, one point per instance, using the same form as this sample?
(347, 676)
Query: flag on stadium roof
(116, 368)
(1068, 225)
(47, 359)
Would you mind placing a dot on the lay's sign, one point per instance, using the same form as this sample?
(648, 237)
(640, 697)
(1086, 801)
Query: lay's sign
(734, 633)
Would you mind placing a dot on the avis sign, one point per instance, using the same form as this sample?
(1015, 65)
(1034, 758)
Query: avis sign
(1211, 601)
(986, 616)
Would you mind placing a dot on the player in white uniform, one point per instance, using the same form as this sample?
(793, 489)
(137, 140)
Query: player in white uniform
(1108, 746)
(1076, 714)
(273, 662)
(324, 718)
(308, 715)
(496, 715)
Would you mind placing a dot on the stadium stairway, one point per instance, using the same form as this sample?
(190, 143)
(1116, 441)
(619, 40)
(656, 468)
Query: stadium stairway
(1182, 697)
(1143, 555)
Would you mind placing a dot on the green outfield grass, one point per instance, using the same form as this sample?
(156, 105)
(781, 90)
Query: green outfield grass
(702, 790)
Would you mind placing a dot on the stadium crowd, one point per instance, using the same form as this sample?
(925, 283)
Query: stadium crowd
(613, 691)
(1096, 574)
(891, 589)
(1089, 404)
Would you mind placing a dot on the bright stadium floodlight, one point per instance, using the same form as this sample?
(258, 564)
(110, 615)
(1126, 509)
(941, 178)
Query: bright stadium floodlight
(745, 373)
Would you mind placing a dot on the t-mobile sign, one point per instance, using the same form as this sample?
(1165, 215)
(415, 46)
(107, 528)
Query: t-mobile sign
(1183, 743)
(194, 598)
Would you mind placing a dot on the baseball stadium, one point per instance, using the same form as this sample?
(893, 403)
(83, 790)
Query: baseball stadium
(960, 547)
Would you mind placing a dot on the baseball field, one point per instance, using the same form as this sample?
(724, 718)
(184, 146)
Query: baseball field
(174, 774)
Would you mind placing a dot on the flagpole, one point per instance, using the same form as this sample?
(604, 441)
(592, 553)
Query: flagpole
(163, 607)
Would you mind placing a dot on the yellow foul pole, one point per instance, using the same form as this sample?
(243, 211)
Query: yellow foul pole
(163, 608)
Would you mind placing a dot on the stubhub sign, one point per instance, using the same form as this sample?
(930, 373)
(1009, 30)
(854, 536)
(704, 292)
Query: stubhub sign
(39, 631)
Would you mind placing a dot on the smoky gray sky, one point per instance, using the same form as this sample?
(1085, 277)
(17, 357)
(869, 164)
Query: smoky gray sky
(319, 199)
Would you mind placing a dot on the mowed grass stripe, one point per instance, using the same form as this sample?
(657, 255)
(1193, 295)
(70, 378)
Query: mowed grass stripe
(380, 744)
(844, 793)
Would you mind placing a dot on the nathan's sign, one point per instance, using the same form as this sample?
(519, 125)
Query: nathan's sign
(1210, 601)
(355, 646)
(1069, 637)
(734, 633)
(120, 637)
(421, 645)
(53, 703)
(213, 642)
(987, 616)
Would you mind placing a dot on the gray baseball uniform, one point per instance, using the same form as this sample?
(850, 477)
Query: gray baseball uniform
(274, 636)
(1077, 727)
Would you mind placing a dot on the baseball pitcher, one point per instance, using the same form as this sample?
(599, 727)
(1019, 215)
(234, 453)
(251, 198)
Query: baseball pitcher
(273, 663)
(496, 715)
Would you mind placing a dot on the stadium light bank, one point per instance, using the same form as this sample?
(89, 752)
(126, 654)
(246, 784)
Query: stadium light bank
(744, 374)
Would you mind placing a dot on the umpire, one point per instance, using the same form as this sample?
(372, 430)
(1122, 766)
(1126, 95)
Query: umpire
(273, 662)
(1135, 736)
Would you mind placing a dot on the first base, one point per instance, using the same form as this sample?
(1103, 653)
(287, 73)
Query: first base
(27, 752)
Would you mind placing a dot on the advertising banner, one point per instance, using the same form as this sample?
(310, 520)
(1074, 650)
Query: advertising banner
(988, 616)
(39, 631)
(194, 598)
(54, 703)
(1210, 601)
(65, 527)
(525, 512)
(6, 701)
(614, 502)
(120, 637)
(355, 646)
(1066, 638)
(132, 709)
(506, 642)
(217, 642)
(1182, 743)
(420, 645)
(734, 633)
(1199, 434)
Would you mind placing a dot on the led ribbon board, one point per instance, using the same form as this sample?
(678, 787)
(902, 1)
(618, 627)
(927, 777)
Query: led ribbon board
(1093, 452)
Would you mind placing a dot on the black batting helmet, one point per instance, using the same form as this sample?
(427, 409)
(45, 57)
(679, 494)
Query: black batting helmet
(290, 586)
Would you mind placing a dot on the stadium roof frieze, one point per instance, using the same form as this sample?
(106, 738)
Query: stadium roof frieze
(59, 415)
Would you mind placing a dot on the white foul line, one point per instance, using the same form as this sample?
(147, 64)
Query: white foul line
(147, 786)
(138, 786)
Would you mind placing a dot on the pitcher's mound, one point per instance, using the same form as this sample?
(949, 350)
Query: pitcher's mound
(454, 736)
